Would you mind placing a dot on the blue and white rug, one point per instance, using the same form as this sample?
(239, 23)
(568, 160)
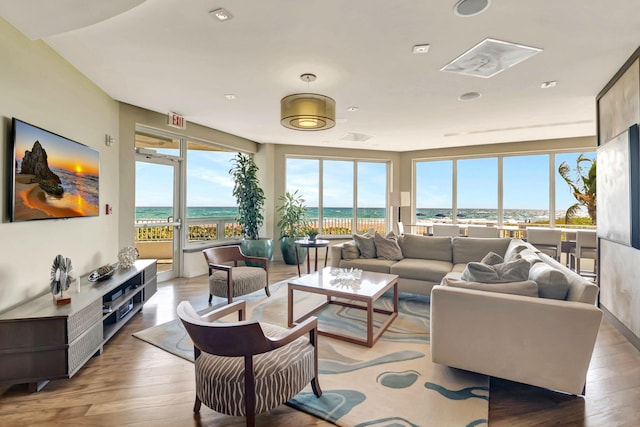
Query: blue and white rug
(392, 384)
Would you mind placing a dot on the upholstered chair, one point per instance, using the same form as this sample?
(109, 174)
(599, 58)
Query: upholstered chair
(482, 231)
(546, 240)
(245, 368)
(446, 230)
(227, 278)
(586, 242)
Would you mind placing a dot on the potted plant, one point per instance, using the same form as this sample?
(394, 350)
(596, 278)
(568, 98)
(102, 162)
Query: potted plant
(292, 223)
(250, 198)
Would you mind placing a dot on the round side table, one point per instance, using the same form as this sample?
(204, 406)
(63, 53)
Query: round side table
(309, 244)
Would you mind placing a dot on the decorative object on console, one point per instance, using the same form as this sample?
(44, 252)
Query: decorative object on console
(61, 278)
(103, 272)
(127, 256)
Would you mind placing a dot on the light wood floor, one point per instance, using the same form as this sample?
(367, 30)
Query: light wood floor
(134, 383)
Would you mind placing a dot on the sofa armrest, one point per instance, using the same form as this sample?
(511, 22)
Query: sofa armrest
(335, 254)
(542, 342)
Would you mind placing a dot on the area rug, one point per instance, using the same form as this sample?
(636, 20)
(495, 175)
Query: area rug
(392, 384)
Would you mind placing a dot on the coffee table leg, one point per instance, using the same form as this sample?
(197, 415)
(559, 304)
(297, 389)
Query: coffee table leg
(308, 265)
(295, 248)
(316, 260)
(370, 324)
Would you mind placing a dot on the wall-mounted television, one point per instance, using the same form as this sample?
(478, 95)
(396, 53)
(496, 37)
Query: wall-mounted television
(51, 176)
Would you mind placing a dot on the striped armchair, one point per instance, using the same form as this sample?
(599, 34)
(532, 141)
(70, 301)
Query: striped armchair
(245, 368)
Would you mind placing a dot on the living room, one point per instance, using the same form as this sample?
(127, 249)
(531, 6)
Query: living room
(42, 88)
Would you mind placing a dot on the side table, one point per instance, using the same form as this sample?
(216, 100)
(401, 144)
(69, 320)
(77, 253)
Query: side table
(309, 244)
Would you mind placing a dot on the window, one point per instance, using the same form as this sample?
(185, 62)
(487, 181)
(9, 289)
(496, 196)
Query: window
(525, 189)
(477, 190)
(564, 193)
(434, 190)
(524, 181)
(211, 207)
(341, 193)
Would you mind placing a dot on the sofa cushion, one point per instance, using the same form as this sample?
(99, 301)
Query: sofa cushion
(426, 247)
(552, 283)
(468, 249)
(365, 244)
(515, 247)
(387, 247)
(350, 250)
(492, 258)
(527, 288)
(421, 269)
(513, 271)
(459, 268)
(368, 264)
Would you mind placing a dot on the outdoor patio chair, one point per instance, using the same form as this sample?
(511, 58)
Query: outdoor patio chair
(482, 231)
(245, 368)
(446, 230)
(546, 240)
(586, 243)
(227, 281)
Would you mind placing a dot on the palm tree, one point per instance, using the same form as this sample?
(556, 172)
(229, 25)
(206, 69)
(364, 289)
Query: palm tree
(582, 184)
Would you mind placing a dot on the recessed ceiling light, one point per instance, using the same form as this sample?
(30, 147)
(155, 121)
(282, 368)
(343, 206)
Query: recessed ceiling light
(353, 108)
(469, 96)
(421, 48)
(230, 96)
(221, 14)
(467, 8)
(547, 85)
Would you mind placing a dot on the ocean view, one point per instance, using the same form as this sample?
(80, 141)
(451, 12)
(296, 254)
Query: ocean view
(422, 214)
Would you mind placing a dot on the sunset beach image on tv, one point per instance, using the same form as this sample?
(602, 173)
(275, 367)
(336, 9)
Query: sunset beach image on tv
(53, 177)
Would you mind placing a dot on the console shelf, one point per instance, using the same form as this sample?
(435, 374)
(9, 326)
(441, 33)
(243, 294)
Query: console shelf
(40, 341)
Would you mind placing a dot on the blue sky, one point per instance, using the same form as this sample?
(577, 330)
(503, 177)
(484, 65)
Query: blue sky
(526, 182)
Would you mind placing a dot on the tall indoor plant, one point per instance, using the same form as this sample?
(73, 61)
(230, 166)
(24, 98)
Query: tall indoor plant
(292, 223)
(250, 198)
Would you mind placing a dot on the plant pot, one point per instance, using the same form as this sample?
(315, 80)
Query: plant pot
(288, 248)
(262, 247)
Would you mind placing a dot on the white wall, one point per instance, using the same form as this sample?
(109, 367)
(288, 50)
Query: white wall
(39, 87)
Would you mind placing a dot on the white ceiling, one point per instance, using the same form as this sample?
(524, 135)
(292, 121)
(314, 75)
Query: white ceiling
(171, 55)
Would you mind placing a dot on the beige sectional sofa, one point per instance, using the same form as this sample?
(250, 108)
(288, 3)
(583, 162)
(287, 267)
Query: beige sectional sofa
(426, 260)
(544, 339)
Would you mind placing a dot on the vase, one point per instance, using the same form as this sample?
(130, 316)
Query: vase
(288, 249)
(262, 247)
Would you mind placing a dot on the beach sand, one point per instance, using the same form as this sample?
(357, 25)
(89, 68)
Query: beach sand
(31, 201)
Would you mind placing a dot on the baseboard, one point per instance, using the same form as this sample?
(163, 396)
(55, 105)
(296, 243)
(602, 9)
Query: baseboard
(626, 332)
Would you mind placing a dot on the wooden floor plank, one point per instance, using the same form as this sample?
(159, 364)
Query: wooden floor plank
(136, 384)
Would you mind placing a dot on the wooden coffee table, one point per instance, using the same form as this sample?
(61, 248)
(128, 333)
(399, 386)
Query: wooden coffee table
(361, 295)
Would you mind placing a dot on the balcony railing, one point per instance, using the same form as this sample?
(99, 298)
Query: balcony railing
(208, 229)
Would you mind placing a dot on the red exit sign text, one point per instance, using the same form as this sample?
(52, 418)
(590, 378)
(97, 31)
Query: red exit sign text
(177, 121)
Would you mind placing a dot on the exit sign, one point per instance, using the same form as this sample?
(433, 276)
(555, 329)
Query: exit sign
(177, 121)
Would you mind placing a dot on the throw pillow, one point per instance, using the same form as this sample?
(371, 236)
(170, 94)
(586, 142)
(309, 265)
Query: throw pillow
(528, 254)
(527, 288)
(365, 244)
(350, 251)
(552, 283)
(515, 247)
(387, 247)
(513, 271)
(492, 258)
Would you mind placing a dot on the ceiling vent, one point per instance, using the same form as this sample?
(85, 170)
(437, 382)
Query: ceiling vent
(490, 57)
(355, 137)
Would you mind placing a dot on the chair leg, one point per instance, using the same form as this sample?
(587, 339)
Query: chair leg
(578, 264)
(210, 298)
(315, 386)
(196, 405)
(251, 420)
(267, 291)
